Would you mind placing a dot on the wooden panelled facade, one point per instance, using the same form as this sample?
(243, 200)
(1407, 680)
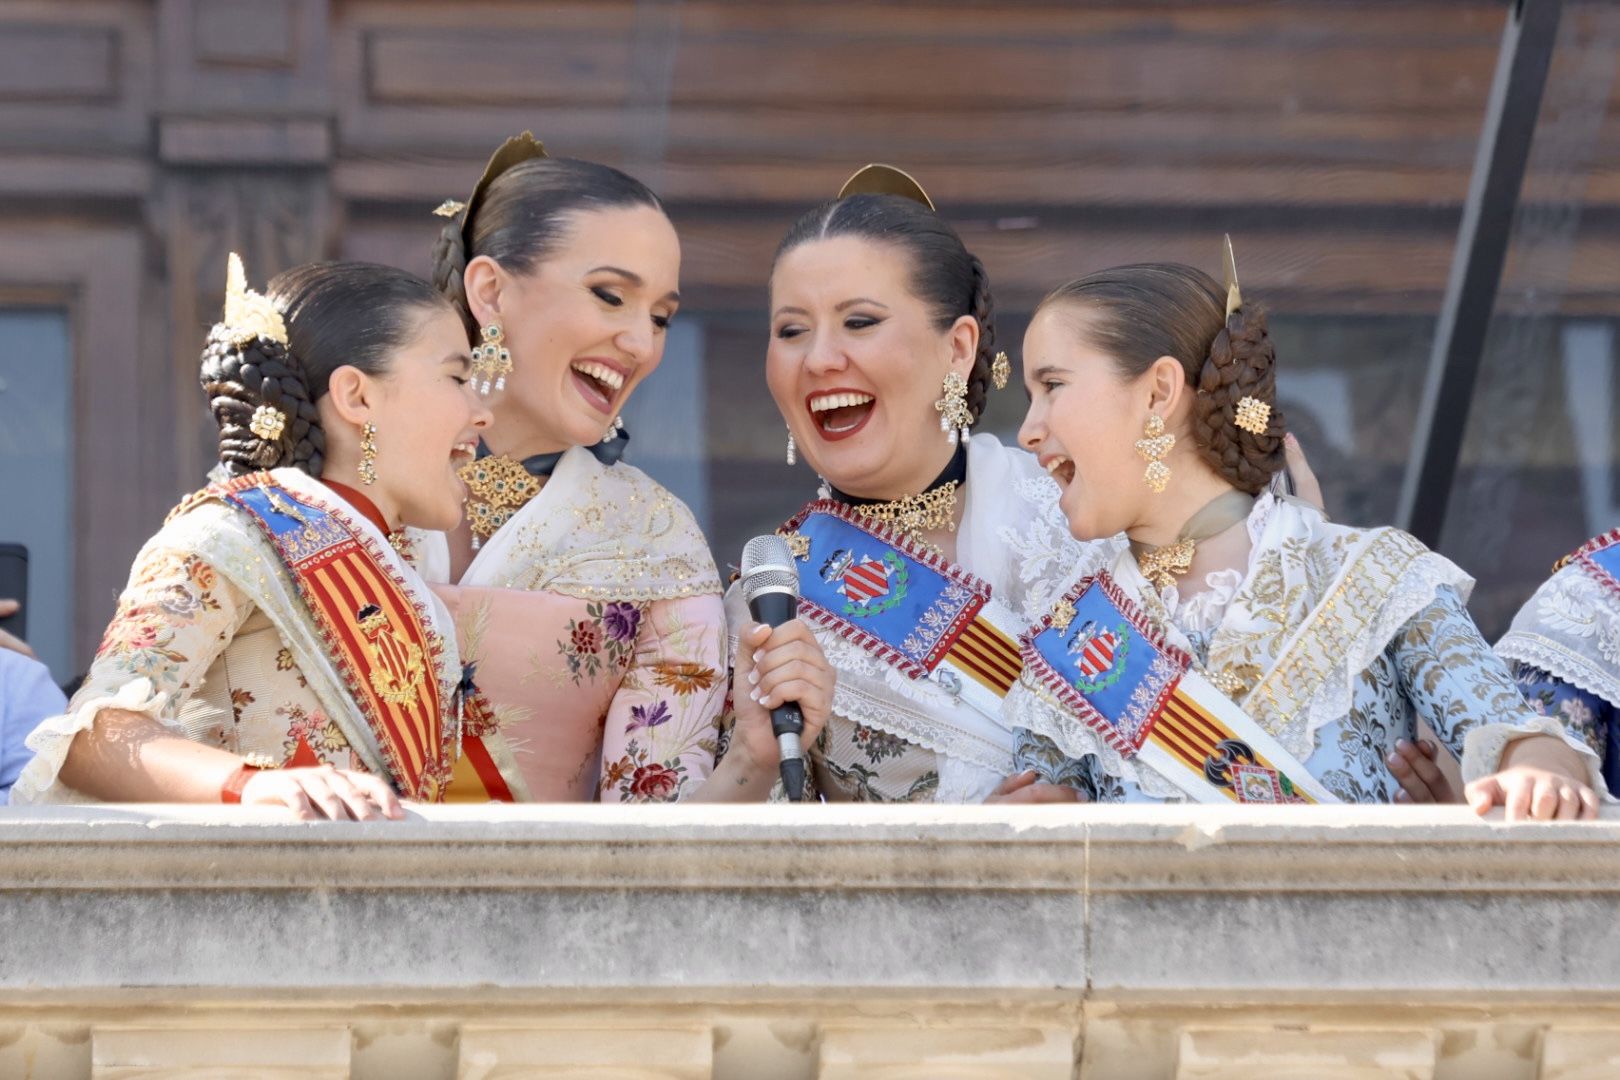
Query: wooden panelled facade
(140, 140)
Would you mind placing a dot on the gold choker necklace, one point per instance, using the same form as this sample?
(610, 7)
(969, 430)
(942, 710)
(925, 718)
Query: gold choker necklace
(497, 488)
(1163, 565)
(916, 514)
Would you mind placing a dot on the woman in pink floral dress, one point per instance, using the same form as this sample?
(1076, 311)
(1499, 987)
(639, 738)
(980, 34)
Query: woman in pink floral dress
(583, 591)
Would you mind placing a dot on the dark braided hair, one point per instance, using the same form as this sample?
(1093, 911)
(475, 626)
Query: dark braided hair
(1139, 313)
(945, 275)
(522, 216)
(336, 314)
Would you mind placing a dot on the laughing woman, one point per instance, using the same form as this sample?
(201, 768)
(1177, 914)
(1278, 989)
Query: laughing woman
(271, 647)
(583, 591)
(929, 545)
(1244, 649)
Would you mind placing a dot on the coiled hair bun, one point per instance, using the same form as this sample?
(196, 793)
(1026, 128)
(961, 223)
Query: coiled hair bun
(313, 319)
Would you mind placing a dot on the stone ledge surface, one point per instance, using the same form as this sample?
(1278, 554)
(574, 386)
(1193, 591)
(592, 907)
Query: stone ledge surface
(808, 941)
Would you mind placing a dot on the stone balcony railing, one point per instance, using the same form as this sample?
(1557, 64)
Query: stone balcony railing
(798, 942)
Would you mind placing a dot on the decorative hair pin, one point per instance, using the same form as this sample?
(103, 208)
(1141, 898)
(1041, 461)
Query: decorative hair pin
(1253, 415)
(268, 423)
(248, 315)
(878, 179)
(517, 149)
(1234, 299)
(1000, 371)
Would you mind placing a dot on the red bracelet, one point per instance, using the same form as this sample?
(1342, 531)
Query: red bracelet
(231, 790)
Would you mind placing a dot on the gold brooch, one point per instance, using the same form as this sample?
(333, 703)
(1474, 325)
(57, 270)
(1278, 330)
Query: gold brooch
(449, 208)
(497, 487)
(1253, 415)
(1000, 371)
(1062, 615)
(1163, 565)
(798, 543)
(268, 423)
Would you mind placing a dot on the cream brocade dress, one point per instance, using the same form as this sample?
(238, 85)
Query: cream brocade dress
(594, 623)
(212, 640)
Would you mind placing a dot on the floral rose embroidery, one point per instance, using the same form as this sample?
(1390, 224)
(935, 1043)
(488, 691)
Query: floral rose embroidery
(654, 782)
(621, 621)
(585, 637)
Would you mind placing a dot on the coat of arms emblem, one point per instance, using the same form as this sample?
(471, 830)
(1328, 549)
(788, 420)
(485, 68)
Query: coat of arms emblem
(397, 665)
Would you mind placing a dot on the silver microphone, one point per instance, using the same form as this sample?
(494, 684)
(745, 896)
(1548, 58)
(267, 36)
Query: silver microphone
(770, 584)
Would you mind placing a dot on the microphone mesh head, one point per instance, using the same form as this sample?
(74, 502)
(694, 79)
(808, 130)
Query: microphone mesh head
(767, 564)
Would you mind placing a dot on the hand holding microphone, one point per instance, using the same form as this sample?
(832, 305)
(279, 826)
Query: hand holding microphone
(784, 685)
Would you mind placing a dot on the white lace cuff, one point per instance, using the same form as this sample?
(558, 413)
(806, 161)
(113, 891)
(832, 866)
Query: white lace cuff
(53, 738)
(1484, 746)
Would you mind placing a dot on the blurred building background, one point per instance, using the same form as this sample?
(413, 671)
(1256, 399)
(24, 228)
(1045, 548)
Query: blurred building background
(140, 140)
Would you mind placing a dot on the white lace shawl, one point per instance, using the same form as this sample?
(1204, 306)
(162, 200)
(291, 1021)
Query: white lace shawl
(595, 532)
(1318, 604)
(1570, 629)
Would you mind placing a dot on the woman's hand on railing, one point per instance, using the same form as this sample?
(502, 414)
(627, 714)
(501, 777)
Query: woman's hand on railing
(1413, 764)
(1028, 787)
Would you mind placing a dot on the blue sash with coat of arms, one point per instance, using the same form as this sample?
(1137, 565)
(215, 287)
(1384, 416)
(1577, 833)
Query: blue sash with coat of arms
(910, 608)
(1096, 654)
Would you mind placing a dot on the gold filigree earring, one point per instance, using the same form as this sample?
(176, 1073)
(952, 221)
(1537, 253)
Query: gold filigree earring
(368, 453)
(492, 360)
(1153, 446)
(952, 407)
(792, 451)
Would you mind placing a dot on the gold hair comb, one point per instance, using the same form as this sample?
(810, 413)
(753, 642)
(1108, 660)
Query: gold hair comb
(517, 149)
(1234, 299)
(247, 314)
(879, 179)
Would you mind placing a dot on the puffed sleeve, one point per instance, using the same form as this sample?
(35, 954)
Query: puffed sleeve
(175, 617)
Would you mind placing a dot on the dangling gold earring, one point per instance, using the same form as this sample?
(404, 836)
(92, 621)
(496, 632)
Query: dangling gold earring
(793, 451)
(368, 453)
(491, 361)
(952, 408)
(1153, 446)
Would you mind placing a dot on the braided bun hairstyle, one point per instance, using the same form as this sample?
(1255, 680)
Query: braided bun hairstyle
(523, 216)
(944, 274)
(1139, 313)
(336, 314)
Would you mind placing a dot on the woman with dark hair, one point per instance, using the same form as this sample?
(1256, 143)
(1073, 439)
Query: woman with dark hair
(927, 544)
(271, 646)
(1243, 649)
(583, 591)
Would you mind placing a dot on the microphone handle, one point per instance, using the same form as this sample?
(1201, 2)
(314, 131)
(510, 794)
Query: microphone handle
(787, 722)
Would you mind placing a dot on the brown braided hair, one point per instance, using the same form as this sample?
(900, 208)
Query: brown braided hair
(1139, 313)
(523, 215)
(337, 314)
(944, 274)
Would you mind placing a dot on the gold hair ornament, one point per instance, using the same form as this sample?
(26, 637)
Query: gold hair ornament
(1253, 415)
(1000, 371)
(517, 149)
(879, 179)
(268, 423)
(248, 315)
(1234, 299)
